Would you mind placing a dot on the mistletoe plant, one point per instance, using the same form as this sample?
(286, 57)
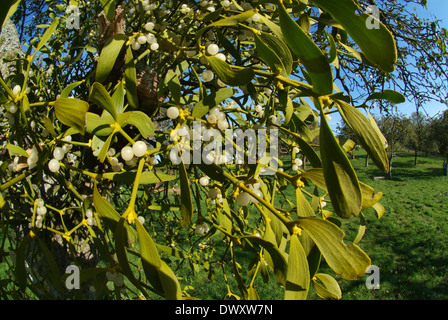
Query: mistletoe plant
(113, 159)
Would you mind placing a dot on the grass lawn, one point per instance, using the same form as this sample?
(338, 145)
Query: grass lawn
(409, 243)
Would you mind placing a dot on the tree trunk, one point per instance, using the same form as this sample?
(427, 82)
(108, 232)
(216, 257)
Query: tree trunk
(415, 156)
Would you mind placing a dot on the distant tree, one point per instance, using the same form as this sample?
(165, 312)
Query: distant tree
(440, 132)
(395, 128)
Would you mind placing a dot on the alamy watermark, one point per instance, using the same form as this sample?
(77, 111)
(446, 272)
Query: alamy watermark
(373, 20)
(373, 280)
(73, 20)
(201, 145)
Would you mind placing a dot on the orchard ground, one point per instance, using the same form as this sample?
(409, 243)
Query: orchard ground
(409, 244)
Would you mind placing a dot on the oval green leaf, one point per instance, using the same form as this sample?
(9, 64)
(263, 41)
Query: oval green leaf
(376, 43)
(347, 260)
(298, 274)
(366, 133)
(340, 177)
(72, 112)
(313, 59)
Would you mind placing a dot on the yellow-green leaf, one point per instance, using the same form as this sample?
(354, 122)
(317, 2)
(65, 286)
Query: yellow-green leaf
(366, 133)
(234, 76)
(340, 177)
(48, 33)
(185, 194)
(72, 112)
(108, 56)
(329, 289)
(130, 76)
(347, 260)
(298, 274)
(147, 177)
(100, 97)
(313, 59)
(376, 43)
(148, 249)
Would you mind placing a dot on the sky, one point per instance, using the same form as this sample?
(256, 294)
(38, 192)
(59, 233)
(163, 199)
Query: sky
(439, 10)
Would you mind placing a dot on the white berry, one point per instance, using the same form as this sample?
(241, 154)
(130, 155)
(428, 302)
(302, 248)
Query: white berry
(212, 49)
(207, 75)
(58, 153)
(13, 108)
(127, 153)
(139, 148)
(54, 165)
(243, 199)
(172, 112)
(204, 181)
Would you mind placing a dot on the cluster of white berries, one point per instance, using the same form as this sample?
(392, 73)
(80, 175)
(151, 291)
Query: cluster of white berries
(41, 210)
(202, 228)
(150, 39)
(115, 277)
(244, 198)
(297, 162)
(259, 110)
(215, 195)
(216, 116)
(91, 221)
(59, 154)
(129, 154)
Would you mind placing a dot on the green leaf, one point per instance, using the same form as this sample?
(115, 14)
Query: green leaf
(202, 107)
(109, 8)
(303, 206)
(7, 9)
(230, 75)
(369, 197)
(118, 97)
(340, 177)
(99, 126)
(108, 56)
(229, 21)
(72, 112)
(148, 249)
(347, 260)
(298, 275)
(48, 33)
(366, 134)
(316, 176)
(100, 96)
(390, 95)
(278, 45)
(105, 148)
(280, 265)
(13, 150)
(376, 43)
(270, 57)
(138, 119)
(68, 89)
(186, 207)
(313, 59)
(120, 237)
(171, 286)
(130, 76)
(110, 216)
(329, 289)
(173, 84)
(309, 152)
(147, 177)
(21, 274)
